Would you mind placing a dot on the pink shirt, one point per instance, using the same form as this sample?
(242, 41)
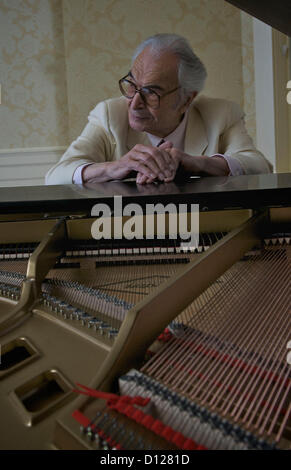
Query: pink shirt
(177, 137)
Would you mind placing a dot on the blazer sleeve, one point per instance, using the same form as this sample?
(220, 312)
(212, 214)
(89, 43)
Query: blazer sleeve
(94, 145)
(235, 142)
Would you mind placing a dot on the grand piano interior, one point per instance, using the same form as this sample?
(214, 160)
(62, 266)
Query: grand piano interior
(201, 336)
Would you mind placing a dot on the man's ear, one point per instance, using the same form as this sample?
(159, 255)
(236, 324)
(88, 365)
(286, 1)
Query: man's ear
(188, 101)
(191, 97)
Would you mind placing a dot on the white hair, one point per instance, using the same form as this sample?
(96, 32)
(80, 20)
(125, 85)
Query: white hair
(191, 71)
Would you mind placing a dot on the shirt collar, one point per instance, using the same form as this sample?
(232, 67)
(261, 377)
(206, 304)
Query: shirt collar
(177, 137)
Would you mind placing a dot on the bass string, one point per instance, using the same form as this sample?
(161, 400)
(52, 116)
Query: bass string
(269, 256)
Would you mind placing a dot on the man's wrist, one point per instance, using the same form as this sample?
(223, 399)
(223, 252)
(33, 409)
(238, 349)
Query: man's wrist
(88, 172)
(78, 173)
(203, 165)
(192, 164)
(96, 171)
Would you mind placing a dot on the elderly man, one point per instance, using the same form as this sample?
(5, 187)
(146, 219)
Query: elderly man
(160, 126)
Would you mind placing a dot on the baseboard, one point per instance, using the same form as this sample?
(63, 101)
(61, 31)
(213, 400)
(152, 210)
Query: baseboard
(27, 167)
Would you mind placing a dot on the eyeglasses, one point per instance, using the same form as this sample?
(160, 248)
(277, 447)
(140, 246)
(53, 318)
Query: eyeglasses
(149, 96)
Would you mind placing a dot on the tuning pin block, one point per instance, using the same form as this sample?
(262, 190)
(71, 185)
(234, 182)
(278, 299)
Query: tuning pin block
(11, 292)
(67, 311)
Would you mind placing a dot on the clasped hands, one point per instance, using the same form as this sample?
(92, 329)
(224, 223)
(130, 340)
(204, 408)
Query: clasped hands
(152, 163)
(161, 163)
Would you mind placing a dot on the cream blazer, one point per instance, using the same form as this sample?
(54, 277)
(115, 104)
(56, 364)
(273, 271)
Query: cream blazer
(214, 126)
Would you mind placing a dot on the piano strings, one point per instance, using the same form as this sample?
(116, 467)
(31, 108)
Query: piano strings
(223, 379)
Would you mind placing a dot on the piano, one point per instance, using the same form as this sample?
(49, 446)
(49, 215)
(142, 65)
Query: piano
(141, 344)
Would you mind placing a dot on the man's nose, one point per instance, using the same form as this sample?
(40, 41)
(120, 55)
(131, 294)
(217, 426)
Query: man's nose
(137, 102)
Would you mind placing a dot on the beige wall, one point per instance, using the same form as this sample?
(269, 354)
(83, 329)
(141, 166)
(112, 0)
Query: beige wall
(34, 109)
(60, 57)
(248, 73)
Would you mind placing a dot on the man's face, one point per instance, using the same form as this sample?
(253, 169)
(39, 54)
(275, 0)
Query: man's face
(160, 74)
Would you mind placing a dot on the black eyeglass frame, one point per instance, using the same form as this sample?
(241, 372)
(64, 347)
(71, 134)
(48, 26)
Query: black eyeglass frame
(140, 91)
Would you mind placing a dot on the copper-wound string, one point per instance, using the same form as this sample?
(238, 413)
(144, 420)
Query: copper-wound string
(262, 313)
(274, 406)
(225, 332)
(283, 424)
(270, 403)
(259, 334)
(176, 349)
(216, 303)
(176, 346)
(241, 334)
(271, 367)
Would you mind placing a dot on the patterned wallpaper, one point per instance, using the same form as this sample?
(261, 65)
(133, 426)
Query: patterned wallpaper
(60, 57)
(34, 109)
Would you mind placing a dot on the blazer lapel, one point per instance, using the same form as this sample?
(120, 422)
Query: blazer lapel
(195, 138)
(135, 137)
